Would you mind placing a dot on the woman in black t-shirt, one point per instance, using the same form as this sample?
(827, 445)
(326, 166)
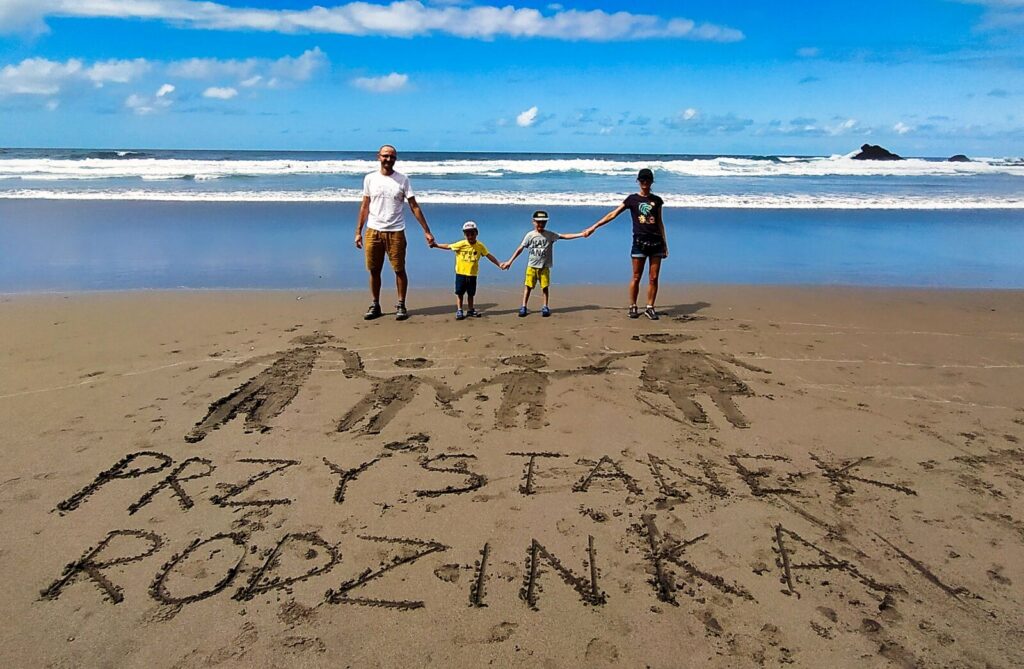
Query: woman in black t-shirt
(649, 240)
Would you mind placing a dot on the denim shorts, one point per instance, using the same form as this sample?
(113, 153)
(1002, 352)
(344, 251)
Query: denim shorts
(648, 246)
(465, 285)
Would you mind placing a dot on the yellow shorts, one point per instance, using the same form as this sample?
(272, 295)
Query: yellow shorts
(378, 243)
(534, 274)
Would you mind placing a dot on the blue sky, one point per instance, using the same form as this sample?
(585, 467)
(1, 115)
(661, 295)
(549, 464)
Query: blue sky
(789, 77)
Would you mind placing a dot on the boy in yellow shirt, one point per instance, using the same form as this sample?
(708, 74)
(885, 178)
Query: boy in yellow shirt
(468, 252)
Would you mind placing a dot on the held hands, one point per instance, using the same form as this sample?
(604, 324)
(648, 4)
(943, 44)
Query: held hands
(589, 231)
(505, 265)
(431, 242)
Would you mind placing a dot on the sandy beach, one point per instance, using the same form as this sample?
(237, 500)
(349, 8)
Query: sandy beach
(766, 476)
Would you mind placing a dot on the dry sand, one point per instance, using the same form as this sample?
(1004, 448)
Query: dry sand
(814, 477)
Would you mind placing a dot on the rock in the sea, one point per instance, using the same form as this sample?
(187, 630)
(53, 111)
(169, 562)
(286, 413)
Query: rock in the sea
(875, 152)
(958, 158)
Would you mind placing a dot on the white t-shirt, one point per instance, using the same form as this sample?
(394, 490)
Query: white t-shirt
(387, 194)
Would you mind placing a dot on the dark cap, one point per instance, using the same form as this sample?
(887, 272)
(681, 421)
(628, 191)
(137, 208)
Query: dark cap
(645, 175)
(540, 215)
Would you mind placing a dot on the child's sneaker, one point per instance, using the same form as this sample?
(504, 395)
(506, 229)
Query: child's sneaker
(459, 315)
(651, 313)
(544, 311)
(634, 312)
(523, 311)
(474, 313)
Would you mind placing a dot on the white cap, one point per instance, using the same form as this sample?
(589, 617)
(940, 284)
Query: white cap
(469, 225)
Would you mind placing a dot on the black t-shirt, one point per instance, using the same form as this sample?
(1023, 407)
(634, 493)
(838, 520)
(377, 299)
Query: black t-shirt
(646, 212)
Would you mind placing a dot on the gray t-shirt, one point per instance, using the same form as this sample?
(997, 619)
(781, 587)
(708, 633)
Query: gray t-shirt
(540, 246)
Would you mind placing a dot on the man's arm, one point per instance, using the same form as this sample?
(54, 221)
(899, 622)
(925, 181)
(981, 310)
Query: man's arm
(364, 212)
(418, 213)
(607, 218)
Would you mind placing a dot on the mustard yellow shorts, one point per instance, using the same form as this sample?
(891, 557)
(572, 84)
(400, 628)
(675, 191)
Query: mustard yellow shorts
(378, 243)
(533, 274)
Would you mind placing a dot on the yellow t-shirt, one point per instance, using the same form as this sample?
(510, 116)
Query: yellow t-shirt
(467, 256)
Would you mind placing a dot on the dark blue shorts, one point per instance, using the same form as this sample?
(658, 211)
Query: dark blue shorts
(648, 246)
(465, 285)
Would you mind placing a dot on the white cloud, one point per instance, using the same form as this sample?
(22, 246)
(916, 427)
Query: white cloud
(39, 76)
(147, 105)
(808, 52)
(902, 128)
(51, 105)
(400, 18)
(117, 71)
(527, 118)
(689, 114)
(252, 72)
(386, 84)
(846, 126)
(218, 93)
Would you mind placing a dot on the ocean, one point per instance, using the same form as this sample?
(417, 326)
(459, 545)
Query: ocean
(75, 220)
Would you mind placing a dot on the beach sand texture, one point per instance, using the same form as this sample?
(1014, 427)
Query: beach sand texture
(765, 476)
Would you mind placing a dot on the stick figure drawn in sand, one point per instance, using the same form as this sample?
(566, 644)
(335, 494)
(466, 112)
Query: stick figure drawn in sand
(682, 375)
(527, 386)
(388, 396)
(266, 395)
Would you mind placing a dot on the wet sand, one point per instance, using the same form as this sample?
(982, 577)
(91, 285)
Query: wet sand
(765, 476)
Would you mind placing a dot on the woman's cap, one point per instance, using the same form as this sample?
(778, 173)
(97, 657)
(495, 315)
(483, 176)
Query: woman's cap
(540, 215)
(645, 175)
(469, 225)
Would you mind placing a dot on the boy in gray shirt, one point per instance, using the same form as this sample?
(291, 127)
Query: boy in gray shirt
(540, 242)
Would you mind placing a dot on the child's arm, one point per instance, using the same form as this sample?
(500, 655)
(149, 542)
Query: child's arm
(490, 256)
(607, 218)
(508, 263)
(573, 235)
(446, 247)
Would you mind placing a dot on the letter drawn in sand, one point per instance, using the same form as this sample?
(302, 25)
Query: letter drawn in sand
(387, 397)
(710, 482)
(159, 591)
(120, 470)
(476, 590)
(840, 476)
(92, 567)
(266, 395)
(597, 472)
(423, 548)
(823, 561)
(526, 386)
(682, 375)
(528, 488)
(174, 481)
(587, 588)
(668, 549)
(349, 475)
(311, 541)
(473, 480)
(234, 489)
(753, 477)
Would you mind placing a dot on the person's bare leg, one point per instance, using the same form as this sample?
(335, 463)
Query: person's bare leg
(469, 301)
(526, 294)
(634, 285)
(458, 303)
(652, 275)
(401, 283)
(375, 285)
(545, 291)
